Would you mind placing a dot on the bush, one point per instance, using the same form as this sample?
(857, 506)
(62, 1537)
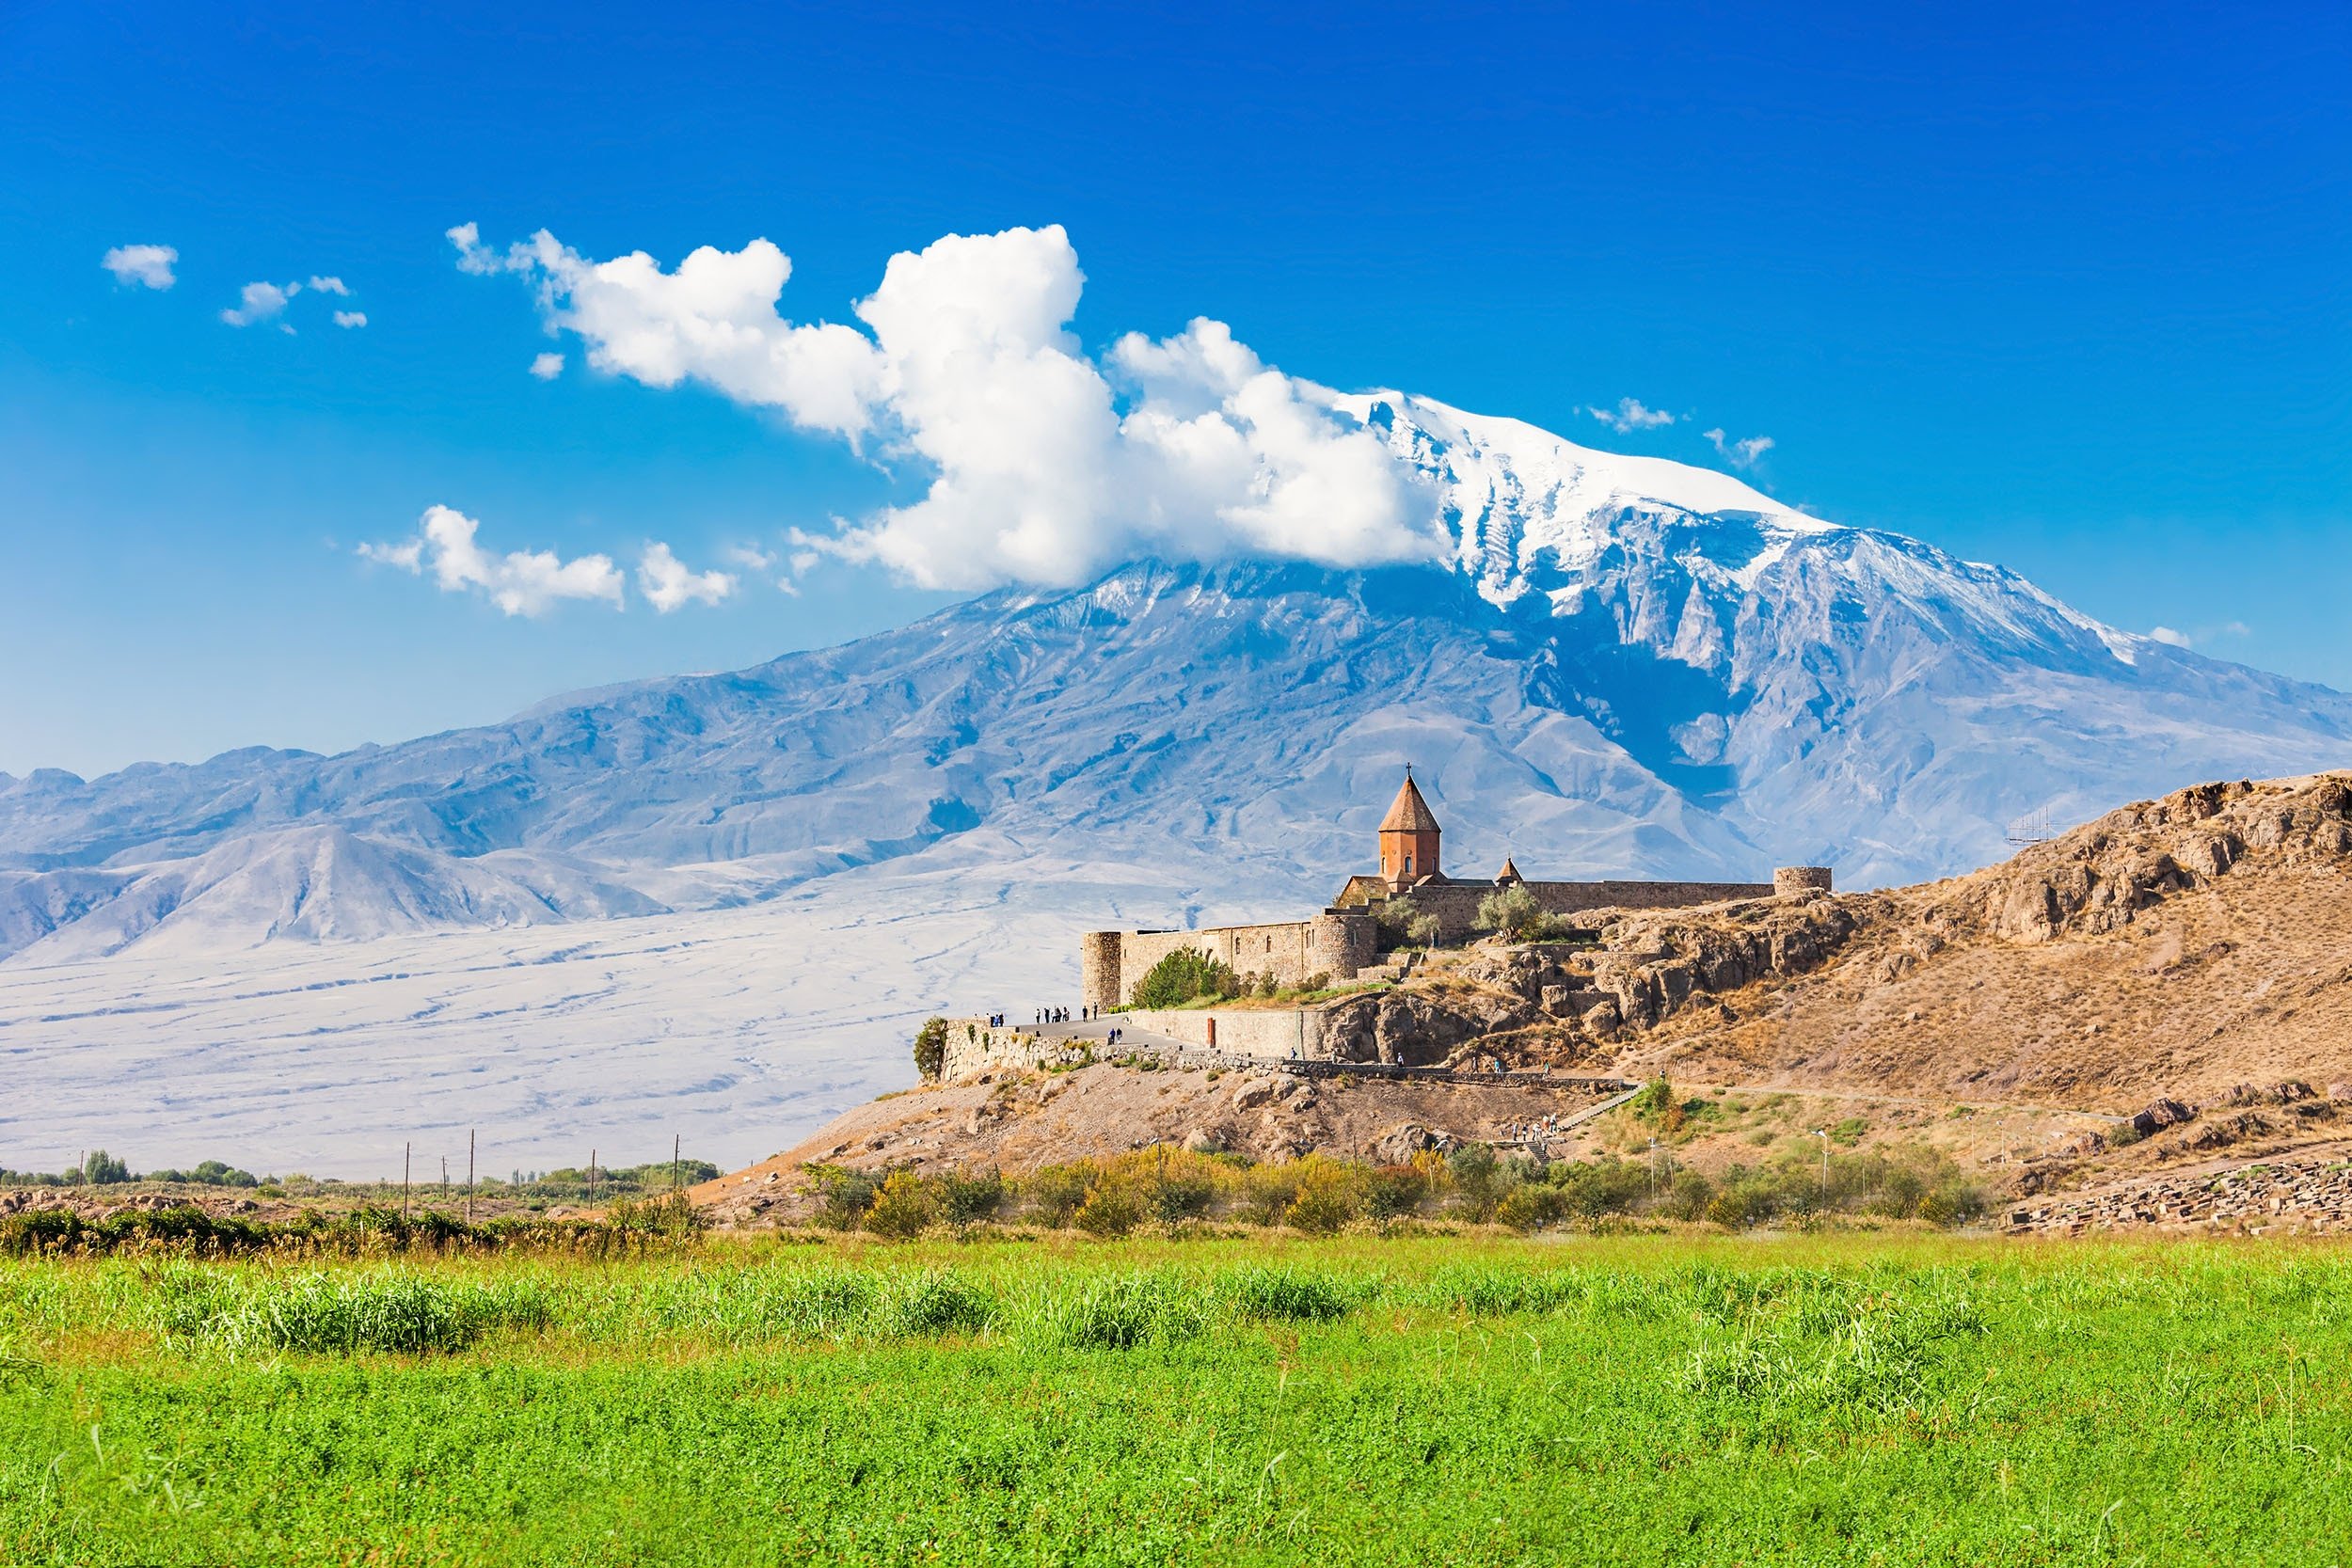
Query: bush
(1480, 1178)
(1689, 1197)
(1392, 922)
(930, 1049)
(1954, 1203)
(1183, 975)
(1108, 1210)
(1530, 1207)
(963, 1201)
(1326, 1197)
(1267, 1193)
(1056, 1193)
(1392, 1192)
(843, 1194)
(901, 1209)
(1609, 1187)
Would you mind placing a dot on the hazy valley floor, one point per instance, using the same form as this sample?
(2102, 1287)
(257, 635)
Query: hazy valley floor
(736, 1030)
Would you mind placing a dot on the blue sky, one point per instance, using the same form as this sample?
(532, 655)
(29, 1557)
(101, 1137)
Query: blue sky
(2068, 292)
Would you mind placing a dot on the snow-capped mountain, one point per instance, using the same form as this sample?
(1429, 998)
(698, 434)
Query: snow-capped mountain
(1632, 667)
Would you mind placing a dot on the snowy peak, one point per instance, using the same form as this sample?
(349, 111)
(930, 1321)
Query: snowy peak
(1518, 498)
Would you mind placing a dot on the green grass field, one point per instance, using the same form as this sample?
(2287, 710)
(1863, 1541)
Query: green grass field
(1638, 1399)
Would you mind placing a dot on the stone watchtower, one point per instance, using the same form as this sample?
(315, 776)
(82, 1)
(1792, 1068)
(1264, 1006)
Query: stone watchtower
(1409, 838)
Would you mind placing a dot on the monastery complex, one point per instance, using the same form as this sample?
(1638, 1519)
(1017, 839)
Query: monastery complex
(1343, 941)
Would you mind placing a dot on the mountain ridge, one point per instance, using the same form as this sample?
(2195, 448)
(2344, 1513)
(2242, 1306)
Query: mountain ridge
(1601, 676)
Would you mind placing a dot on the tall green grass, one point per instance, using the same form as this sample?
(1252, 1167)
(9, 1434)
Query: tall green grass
(1799, 1400)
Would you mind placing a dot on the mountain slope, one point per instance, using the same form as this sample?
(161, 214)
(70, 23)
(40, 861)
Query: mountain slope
(1632, 667)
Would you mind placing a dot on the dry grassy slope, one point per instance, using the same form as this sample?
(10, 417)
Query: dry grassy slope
(1021, 1122)
(2176, 947)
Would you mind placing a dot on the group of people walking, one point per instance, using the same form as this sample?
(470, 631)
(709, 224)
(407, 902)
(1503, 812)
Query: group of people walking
(1058, 1015)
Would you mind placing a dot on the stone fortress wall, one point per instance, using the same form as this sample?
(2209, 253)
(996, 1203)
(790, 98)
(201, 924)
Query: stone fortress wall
(1337, 944)
(1456, 903)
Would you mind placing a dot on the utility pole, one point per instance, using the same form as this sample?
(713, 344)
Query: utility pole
(1824, 1137)
(470, 1176)
(677, 1144)
(403, 1182)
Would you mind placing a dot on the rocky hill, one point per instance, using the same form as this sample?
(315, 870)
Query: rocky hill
(2167, 989)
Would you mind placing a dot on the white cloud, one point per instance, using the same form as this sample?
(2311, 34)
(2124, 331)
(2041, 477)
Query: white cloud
(146, 265)
(1043, 465)
(667, 584)
(329, 286)
(1740, 454)
(750, 557)
(259, 302)
(351, 318)
(1630, 416)
(2201, 636)
(522, 582)
(546, 366)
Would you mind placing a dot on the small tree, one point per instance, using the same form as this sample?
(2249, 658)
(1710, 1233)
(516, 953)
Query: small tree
(930, 1048)
(1512, 912)
(1183, 975)
(1392, 922)
(1425, 931)
(101, 1168)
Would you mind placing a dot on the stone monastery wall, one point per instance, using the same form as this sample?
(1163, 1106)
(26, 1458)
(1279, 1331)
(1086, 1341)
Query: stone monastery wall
(1335, 944)
(1455, 904)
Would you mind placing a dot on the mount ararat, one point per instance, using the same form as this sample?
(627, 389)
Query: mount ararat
(717, 905)
(1627, 666)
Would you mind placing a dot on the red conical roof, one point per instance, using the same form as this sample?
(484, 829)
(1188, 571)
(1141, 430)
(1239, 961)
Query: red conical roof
(1410, 814)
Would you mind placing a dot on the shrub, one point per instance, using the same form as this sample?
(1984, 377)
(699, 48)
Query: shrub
(1608, 1187)
(930, 1048)
(1689, 1196)
(901, 1209)
(1392, 1192)
(1183, 975)
(1480, 1178)
(1530, 1207)
(1326, 1197)
(963, 1201)
(1267, 1193)
(1108, 1210)
(843, 1194)
(1955, 1202)
(1056, 1193)
(1425, 931)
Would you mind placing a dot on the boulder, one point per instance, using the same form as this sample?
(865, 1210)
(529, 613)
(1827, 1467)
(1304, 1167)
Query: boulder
(1201, 1141)
(1399, 1144)
(1253, 1093)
